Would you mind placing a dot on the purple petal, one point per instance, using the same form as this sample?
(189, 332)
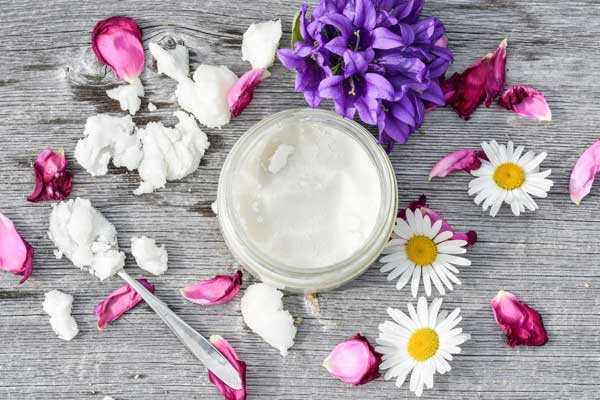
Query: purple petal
(289, 59)
(337, 45)
(340, 22)
(343, 108)
(354, 63)
(331, 87)
(403, 110)
(379, 87)
(118, 303)
(217, 290)
(365, 14)
(384, 39)
(367, 110)
(434, 94)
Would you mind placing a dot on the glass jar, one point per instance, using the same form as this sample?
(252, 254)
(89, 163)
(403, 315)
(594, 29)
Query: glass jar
(277, 273)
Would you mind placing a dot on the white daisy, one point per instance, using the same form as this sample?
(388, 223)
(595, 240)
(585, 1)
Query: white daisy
(420, 249)
(509, 177)
(422, 343)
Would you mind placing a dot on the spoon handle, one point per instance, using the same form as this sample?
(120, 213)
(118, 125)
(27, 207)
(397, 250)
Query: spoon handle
(196, 343)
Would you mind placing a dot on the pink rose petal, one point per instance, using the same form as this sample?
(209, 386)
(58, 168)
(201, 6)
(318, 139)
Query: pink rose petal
(118, 303)
(481, 82)
(461, 160)
(584, 172)
(470, 236)
(354, 361)
(526, 102)
(217, 290)
(240, 95)
(16, 255)
(522, 324)
(52, 181)
(117, 42)
(229, 353)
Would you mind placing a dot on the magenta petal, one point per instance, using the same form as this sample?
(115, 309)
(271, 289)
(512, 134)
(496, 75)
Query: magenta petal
(229, 353)
(241, 93)
(470, 236)
(117, 42)
(52, 181)
(584, 172)
(522, 324)
(118, 303)
(354, 361)
(16, 255)
(481, 81)
(526, 102)
(217, 290)
(461, 160)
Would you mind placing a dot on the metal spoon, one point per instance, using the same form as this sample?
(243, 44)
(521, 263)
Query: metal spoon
(196, 343)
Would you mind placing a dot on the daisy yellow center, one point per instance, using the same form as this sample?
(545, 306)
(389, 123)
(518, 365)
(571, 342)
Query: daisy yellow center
(509, 176)
(423, 344)
(421, 250)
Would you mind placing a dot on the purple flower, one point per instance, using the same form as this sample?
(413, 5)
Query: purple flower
(376, 58)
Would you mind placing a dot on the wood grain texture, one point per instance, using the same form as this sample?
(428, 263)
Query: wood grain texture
(50, 84)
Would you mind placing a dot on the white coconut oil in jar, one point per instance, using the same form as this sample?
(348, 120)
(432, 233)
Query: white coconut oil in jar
(307, 200)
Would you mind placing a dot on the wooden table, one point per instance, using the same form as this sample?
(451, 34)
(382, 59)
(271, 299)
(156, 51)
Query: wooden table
(50, 84)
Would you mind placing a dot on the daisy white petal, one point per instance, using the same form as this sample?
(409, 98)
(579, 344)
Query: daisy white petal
(426, 351)
(405, 278)
(422, 246)
(509, 177)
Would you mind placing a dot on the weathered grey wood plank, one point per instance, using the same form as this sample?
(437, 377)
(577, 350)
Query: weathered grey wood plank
(549, 258)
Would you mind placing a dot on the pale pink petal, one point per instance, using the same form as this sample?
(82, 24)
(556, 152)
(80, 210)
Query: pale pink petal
(217, 290)
(584, 172)
(461, 160)
(16, 255)
(240, 95)
(523, 325)
(470, 236)
(117, 42)
(52, 181)
(229, 353)
(354, 361)
(119, 302)
(526, 102)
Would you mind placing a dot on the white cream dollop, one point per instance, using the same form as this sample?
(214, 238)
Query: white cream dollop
(148, 256)
(107, 137)
(86, 237)
(159, 153)
(128, 95)
(174, 63)
(263, 312)
(169, 153)
(58, 306)
(279, 159)
(260, 43)
(307, 195)
(206, 95)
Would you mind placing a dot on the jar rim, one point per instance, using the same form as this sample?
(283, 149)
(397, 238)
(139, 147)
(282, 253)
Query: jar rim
(231, 228)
